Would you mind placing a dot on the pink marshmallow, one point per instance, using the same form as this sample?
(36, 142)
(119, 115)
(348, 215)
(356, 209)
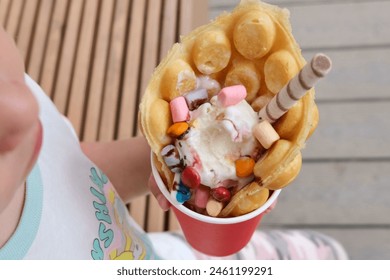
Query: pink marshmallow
(202, 195)
(232, 95)
(179, 109)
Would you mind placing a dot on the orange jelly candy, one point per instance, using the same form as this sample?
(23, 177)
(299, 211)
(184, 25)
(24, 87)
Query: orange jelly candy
(244, 166)
(177, 129)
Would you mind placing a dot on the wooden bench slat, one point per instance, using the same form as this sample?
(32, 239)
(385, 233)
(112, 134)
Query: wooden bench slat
(82, 65)
(96, 89)
(13, 18)
(36, 57)
(114, 68)
(67, 58)
(128, 107)
(54, 43)
(138, 208)
(151, 45)
(192, 14)
(4, 9)
(169, 27)
(26, 27)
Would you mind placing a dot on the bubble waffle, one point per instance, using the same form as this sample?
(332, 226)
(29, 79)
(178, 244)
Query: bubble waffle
(252, 46)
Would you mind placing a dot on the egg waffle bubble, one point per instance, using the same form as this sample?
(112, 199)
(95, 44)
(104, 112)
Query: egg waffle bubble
(253, 46)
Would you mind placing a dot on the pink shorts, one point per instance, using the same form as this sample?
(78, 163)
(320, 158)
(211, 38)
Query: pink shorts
(264, 245)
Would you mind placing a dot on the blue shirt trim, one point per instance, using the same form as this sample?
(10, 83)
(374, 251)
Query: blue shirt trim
(20, 242)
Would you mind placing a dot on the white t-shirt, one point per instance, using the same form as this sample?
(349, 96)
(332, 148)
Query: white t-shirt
(71, 209)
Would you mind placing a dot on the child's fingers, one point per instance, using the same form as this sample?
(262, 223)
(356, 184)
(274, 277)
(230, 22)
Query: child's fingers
(18, 114)
(18, 107)
(271, 207)
(11, 61)
(162, 201)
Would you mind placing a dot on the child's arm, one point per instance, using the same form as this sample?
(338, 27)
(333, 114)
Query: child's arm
(20, 134)
(125, 162)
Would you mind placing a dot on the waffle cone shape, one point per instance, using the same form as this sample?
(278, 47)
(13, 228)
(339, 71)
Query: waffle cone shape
(253, 46)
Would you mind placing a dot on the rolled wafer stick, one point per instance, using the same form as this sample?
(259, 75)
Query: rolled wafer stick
(296, 88)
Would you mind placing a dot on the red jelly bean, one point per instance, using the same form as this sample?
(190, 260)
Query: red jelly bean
(190, 177)
(221, 194)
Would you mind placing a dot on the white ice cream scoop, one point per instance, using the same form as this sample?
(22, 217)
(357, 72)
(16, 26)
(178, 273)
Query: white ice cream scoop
(218, 137)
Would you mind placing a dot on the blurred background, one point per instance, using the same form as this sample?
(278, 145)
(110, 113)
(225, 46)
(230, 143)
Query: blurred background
(95, 57)
(343, 188)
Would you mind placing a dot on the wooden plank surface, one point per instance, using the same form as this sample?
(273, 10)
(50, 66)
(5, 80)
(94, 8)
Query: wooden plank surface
(13, 18)
(54, 44)
(336, 193)
(38, 46)
(129, 101)
(192, 15)
(340, 25)
(80, 75)
(4, 8)
(67, 57)
(151, 45)
(351, 130)
(98, 72)
(26, 27)
(357, 74)
(169, 27)
(114, 68)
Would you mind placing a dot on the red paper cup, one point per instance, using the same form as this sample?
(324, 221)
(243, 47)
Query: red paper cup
(210, 235)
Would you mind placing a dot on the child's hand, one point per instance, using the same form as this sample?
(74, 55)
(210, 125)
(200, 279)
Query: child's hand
(162, 201)
(271, 207)
(20, 129)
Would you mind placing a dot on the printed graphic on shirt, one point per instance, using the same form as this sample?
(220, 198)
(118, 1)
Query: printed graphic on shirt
(115, 237)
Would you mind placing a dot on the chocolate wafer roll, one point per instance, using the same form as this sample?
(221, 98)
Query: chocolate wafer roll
(296, 88)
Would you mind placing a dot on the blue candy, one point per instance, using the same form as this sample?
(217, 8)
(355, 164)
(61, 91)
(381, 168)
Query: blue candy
(183, 193)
